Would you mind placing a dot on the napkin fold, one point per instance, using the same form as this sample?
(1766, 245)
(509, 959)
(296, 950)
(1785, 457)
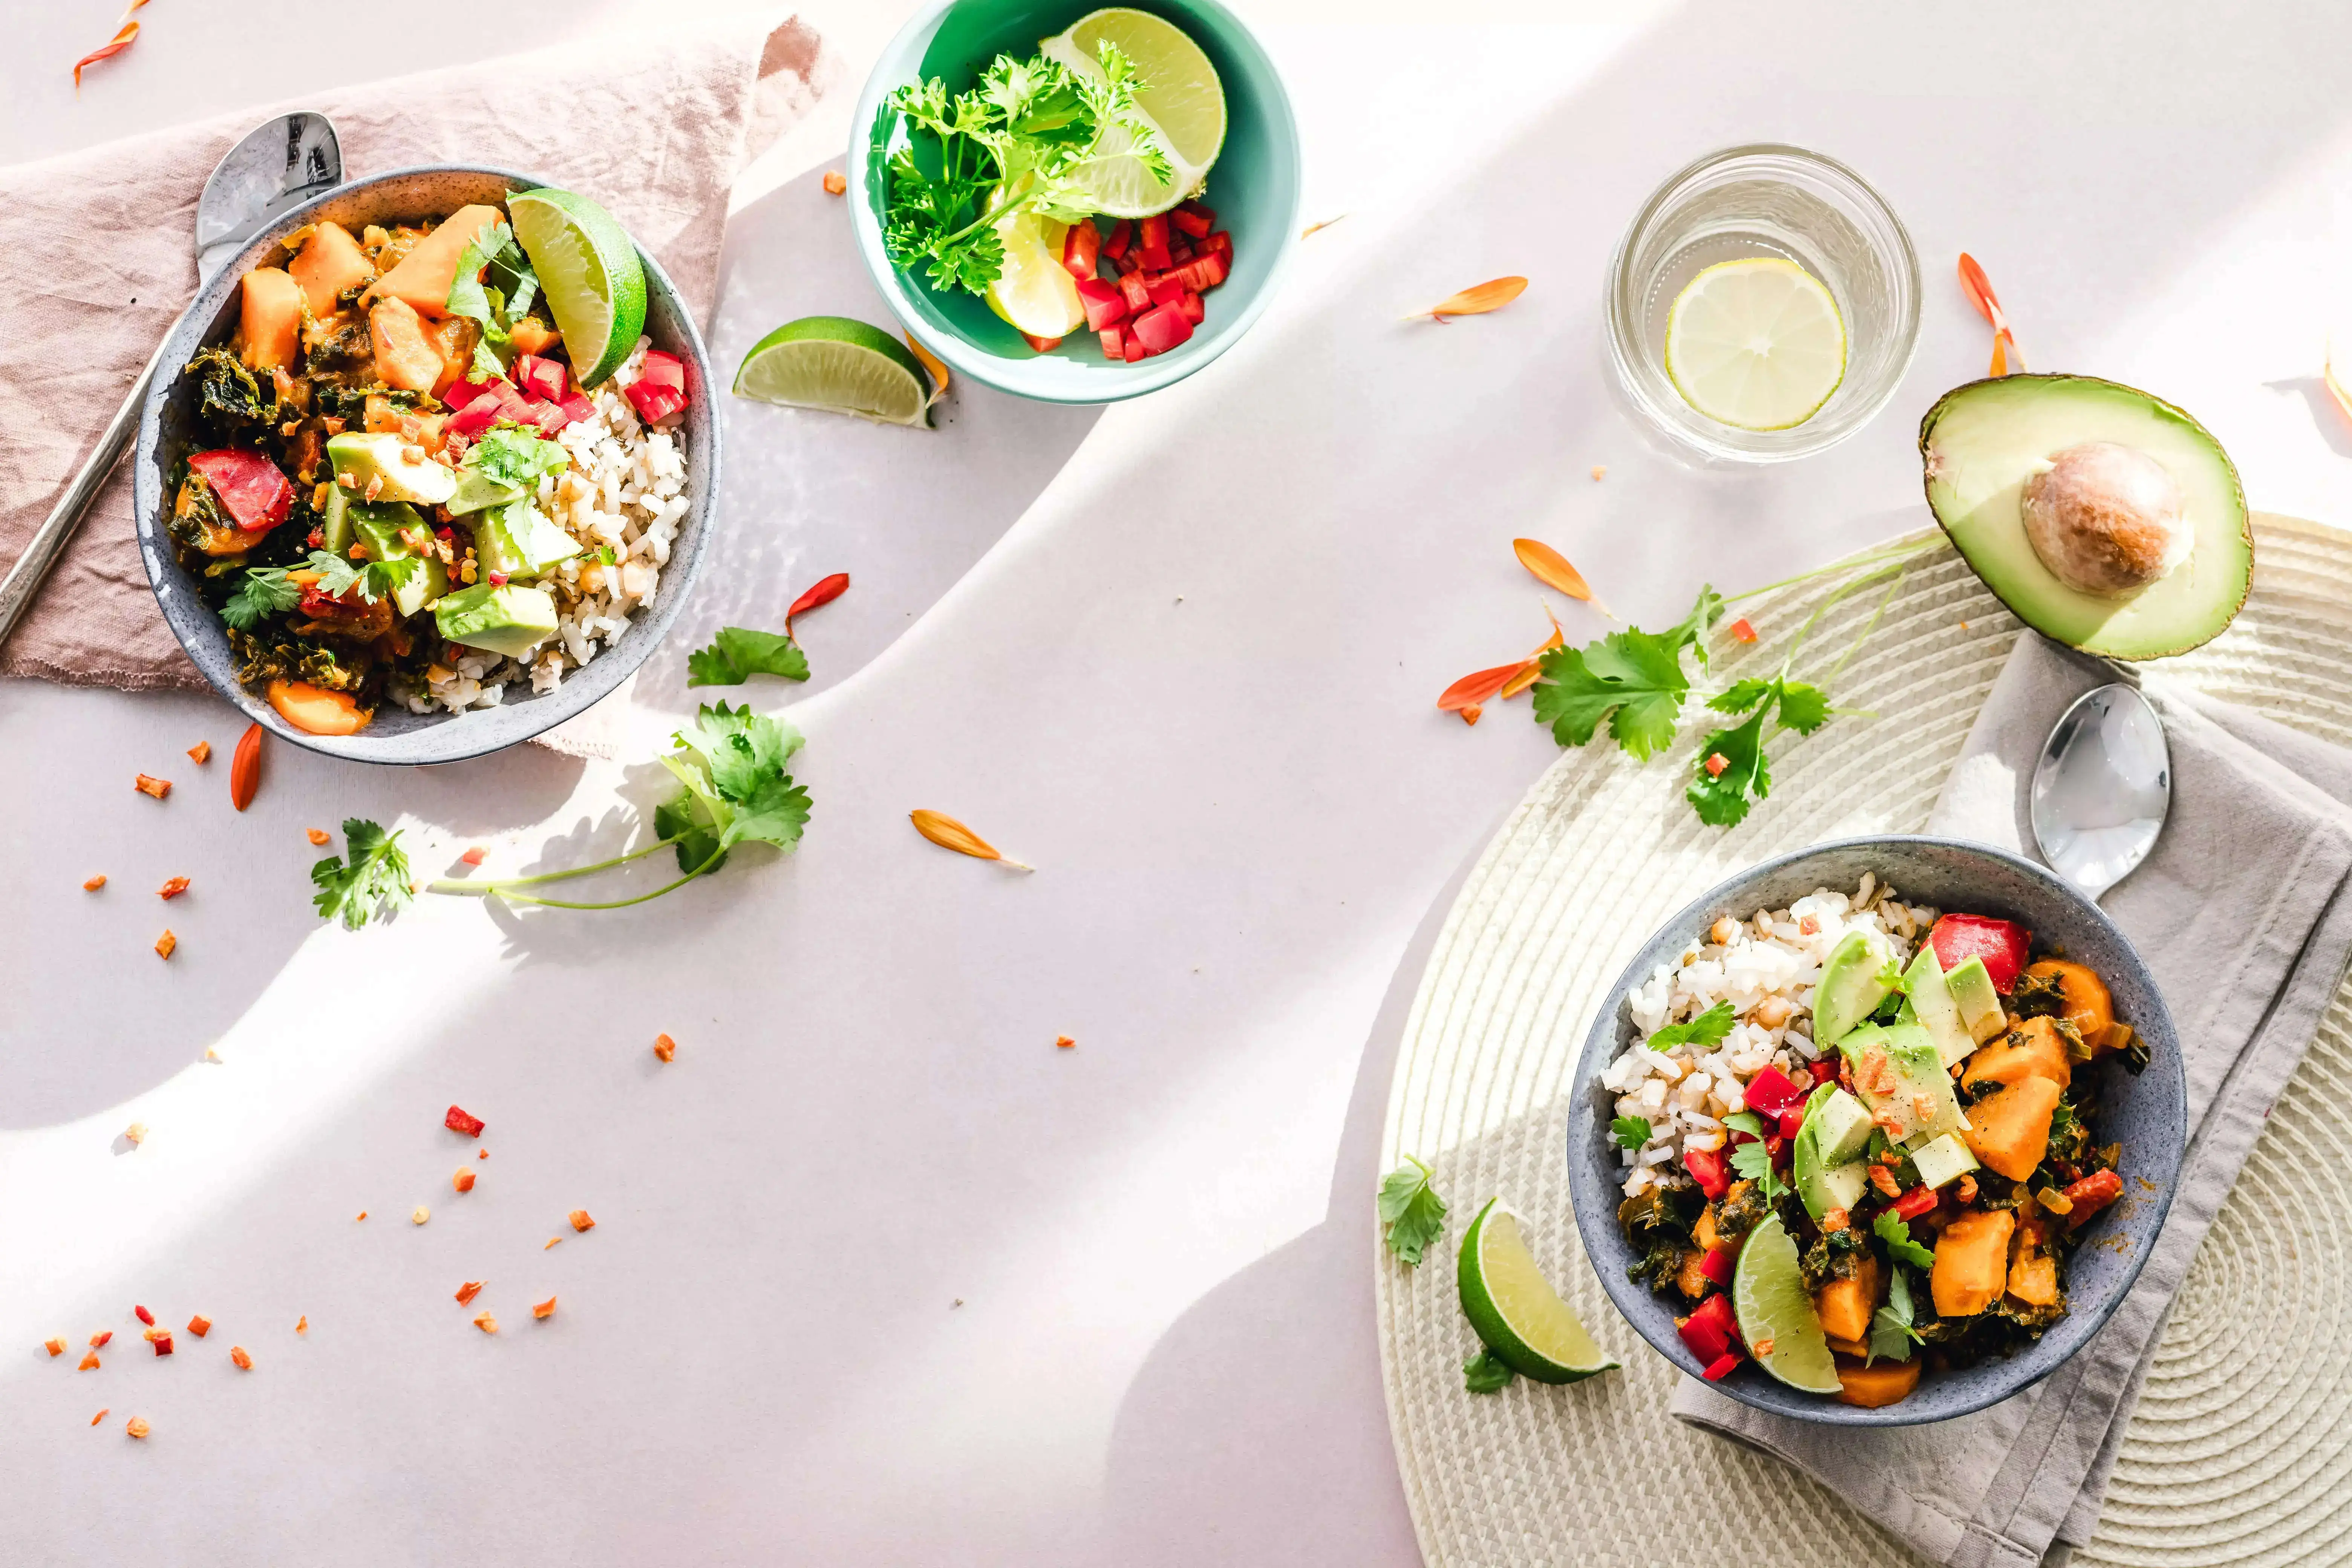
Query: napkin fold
(2242, 915)
(101, 259)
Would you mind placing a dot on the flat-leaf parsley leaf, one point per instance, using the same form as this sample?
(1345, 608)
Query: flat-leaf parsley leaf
(738, 653)
(1411, 1209)
(1707, 1029)
(374, 885)
(1486, 1373)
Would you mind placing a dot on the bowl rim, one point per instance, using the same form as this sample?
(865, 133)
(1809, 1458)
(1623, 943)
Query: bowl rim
(1604, 1243)
(647, 629)
(1118, 384)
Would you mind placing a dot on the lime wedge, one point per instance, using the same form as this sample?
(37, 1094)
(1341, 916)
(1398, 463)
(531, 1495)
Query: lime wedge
(1756, 344)
(1180, 100)
(1775, 1316)
(1034, 291)
(1515, 1310)
(588, 268)
(839, 366)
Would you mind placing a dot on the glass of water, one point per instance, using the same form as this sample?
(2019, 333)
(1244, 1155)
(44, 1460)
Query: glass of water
(1766, 200)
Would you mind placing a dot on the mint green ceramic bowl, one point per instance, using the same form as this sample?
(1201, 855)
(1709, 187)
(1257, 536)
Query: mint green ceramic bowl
(1253, 187)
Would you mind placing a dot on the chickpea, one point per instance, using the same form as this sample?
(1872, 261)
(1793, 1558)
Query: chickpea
(1773, 1013)
(1725, 933)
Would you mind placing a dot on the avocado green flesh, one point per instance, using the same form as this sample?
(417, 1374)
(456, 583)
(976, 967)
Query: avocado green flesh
(1934, 1009)
(1942, 1159)
(380, 455)
(1913, 1068)
(517, 540)
(507, 618)
(1971, 988)
(380, 528)
(1830, 1141)
(1983, 441)
(1851, 987)
(477, 490)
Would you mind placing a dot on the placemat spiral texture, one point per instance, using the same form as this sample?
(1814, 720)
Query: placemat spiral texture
(2240, 1451)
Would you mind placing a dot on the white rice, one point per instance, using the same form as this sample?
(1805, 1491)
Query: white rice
(1684, 1091)
(625, 489)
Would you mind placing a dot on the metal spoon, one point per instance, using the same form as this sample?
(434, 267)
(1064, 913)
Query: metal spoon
(2102, 788)
(279, 164)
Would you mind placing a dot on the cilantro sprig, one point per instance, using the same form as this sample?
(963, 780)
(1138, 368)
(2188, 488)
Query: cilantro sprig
(1486, 1372)
(493, 289)
(1707, 1029)
(374, 885)
(1754, 1160)
(1895, 1232)
(1891, 1333)
(265, 589)
(1018, 141)
(265, 592)
(1630, 1131)
(1411, 1213)
(738, 653)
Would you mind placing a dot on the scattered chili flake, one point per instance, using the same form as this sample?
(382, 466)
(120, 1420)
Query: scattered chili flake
(152, 1335)
(166, 944)
(579, 1221)
(469, 1290)
(95, 883)
(211, 1055)
(55, 1347)
(302, 1324)
(159, 788)
(1762, 1347)
(161, 1342)
(552, 1241)
(143, 1315)
(1470, 715)
(543, 1309)
(835, 184)
(100, 1338)
(1599, 472)
(200, 1325)
(1715, 763)
(458, 1121)
(201, 752)
(1741, 630)
(319, 836)
(1064, 1042)
(137, 1427)
(665, 1047)
(463, 1180)
(487, 1323)
(172, 889)
(89, 1362)
(419, 1214)
(475, 856)
(821, 592)
(481, 1153)
(100, 1416)
(242, 1357)
(137, 1133)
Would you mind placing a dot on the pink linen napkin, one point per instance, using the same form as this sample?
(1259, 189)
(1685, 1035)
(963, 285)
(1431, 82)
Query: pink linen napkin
(101, 259)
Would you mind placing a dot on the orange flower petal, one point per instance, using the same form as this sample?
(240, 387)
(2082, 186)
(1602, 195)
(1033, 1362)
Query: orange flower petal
(1473, 689)
(1476, 299)
(949, 833)
(1550, 568)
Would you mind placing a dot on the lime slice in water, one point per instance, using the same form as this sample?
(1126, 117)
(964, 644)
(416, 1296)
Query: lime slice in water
(839, 366)
(588, 268)
(1757, 344)
(1775, 1316)
(1515, 1310)
(1180, 98)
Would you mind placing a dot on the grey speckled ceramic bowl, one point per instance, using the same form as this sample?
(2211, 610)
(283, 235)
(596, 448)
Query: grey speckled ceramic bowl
(2147, 1113)
(397, 735)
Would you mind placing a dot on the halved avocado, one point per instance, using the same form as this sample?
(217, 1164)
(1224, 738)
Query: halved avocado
(1983, 442)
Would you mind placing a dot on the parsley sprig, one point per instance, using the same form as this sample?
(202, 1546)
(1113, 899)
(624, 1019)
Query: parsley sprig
(1707, 1029)
(1017, 142)
(493, 287)
(1891, 1333)
(738, 653)
(374, 885)
(1411, 1213)
(266, 592)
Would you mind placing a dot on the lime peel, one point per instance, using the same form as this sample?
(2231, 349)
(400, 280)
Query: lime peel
(839, 366)
(1776, 1314)
(1515, 1311)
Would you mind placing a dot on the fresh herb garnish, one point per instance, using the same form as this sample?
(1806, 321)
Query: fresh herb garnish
(1634, 678)
(1630, 1131)
(738, 653)
(1017, 142)
(339, 574)
(1754, 1160)
(1410, 1210)
(1897, 1234)
(1707, 1029)
(264, 593)
(493, 289)
(1486, 1373)
(1746, 1121)
(516, 458)
(372, 886)
(1891, 1333)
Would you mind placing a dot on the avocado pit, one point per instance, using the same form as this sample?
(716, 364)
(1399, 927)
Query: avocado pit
(2106, 519)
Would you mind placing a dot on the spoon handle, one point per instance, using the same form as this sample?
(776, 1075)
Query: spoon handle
(23, 579)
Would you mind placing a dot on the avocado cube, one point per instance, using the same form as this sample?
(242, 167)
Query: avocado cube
(506, 617)
(1854, 982)
(1933, 1009)
(1942, 1159)
(335, 531)
(380, 528)
(1901, 1076)
(477, 491)
(380, 455)
(519, 540)
(1972, 989)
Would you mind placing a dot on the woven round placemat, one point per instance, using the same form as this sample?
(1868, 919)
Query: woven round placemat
(2240, 1451)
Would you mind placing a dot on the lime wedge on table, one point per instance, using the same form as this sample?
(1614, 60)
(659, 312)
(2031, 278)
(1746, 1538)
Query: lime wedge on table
(1033, 290)
(1514, 1307)
(588, 268)
(839, 366)
(1757, 344)
(1768, 1296)
(1180, 98)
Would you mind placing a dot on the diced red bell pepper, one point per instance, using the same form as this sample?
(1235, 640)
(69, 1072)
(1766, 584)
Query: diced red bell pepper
(1151, 243)
(1771, 1091)
(1709, 1169)
(659, 390)
(1717, 1265)
(462, 392)
(1114, 245)
(1710, 1331)
(549, 417)
(1114, 343)
(1721, 1367)
(1079, 248)
(1106, 306)
(1165, 290)
(1824, 1072)
(460, 1121)
(2001, 943)
(474, 418)
(1207, 271)
(251, 489)
(665, 370)
(1043, 345)
(1221, 243)
(542, 378)
(1136, 290)
(1194, 311)
(1915, 1203)
(1193, 218)
(1162, 329)
(1179, 253)
(2092, 1194)
(1133, 350)
(576, 407)
(1778, 1147)
(1791, 1118)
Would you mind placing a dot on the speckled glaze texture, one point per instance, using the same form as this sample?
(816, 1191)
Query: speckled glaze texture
(397, 735)
(2146, 1113)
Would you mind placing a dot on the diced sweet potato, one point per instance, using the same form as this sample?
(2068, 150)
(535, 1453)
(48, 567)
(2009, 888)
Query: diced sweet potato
(270, 318)
(1705, 1232)
(2088, 1006)
(1688, 1278)
(1854, 1348)
(1879, 1384)
(329, 261)
(1971, 1262)
(422, 277)
(405, 356)
(2008, 1131)
(315, 710)
(533, 336)
(2033, 1279)
(2032, 1049)
(454, 341)
(1845, 1305)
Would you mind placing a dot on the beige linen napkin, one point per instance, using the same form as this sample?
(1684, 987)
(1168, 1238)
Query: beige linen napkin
(2242, 914)
(101, 259)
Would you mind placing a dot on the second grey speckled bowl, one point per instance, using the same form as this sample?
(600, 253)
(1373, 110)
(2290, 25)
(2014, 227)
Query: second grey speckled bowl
(2147, 1113)
(396, 735)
